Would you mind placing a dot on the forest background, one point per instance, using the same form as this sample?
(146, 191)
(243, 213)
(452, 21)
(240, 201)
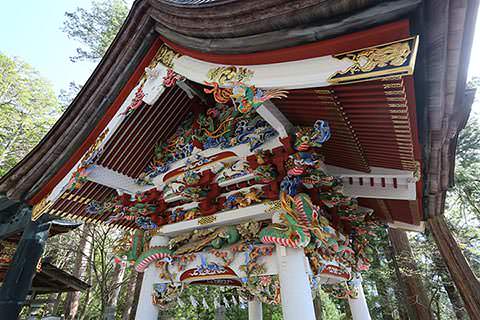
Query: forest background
(407, 269)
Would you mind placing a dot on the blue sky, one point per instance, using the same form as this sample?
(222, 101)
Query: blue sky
(31, 30)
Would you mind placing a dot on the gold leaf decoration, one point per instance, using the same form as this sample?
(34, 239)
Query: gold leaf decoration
(40, 208)
(207, 220)
(228, 75)
(385, 61)
(166, 56)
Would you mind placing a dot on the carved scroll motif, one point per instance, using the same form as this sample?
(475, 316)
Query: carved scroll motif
(166, 56)
(397, 58)
(228, 75)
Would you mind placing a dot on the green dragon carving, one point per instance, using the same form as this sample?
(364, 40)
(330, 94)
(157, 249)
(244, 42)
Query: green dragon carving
(300, 222)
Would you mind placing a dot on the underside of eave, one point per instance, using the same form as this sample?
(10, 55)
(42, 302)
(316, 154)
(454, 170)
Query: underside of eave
(68, 135)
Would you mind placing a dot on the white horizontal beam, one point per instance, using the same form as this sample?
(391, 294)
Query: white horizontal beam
(115, 180)
(407, 226)
(380, 183)
(255, 212)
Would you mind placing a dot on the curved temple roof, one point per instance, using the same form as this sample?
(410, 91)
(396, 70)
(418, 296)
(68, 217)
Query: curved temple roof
(245, 33)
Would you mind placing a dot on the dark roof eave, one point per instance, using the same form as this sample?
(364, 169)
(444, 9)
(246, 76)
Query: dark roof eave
(445, 124)
(83, 114)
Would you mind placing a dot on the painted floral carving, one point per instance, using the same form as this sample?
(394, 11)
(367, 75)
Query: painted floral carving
(231, 84)
(218, 127)
(166, 294)
(243, 199)
(305, 220)
(171, 78)
(264, 288)
(136, 102)
(231, 170)
(265, 172)
(144, 208)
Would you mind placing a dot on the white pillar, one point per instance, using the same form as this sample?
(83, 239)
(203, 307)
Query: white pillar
(146, 310)
(220, 313)
(358, 306)
(255, 310)
(295, 288)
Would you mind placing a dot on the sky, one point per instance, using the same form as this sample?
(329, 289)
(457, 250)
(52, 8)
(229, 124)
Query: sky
(31, 30)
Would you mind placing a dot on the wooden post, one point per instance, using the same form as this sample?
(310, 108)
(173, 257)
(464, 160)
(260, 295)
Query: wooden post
(417, 301)
(18, 280)
(465, 280)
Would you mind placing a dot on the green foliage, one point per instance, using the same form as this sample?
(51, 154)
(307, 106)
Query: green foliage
(28, 109)
(463, 202)
(331, 308)
(95, 27)
(66, 96)
(463, 217)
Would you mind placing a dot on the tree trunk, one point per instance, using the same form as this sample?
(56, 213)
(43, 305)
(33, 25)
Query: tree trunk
(465, 280)
(417, 300)
(130, 295)
(453, 296)
(136, 295)
(88, 294)
(317, 306)
(81, 261)
(118, 273)
(397, 284)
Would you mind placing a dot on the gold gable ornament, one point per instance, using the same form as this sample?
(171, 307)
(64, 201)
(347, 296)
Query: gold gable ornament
(166, 56)
(40, 208)
(391, 60)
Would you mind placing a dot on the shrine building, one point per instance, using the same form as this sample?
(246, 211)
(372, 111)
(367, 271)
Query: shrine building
(259, 145)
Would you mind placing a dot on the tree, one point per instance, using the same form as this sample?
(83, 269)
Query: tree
(462, 217)
(81, 262)
(95, 27)
(29, 108)
(417, 299)
(66, 96)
